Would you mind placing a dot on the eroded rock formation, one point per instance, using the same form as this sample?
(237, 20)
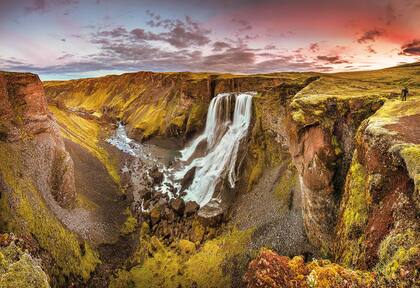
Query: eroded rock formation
(37, 178)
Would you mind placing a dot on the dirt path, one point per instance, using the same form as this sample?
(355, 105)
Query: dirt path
(282, 231)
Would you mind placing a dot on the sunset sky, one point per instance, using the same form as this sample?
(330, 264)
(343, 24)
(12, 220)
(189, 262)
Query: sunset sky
(64, 39)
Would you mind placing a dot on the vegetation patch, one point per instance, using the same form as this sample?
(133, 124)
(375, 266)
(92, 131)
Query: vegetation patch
(185, 266)
(86, 133)
(24, 211)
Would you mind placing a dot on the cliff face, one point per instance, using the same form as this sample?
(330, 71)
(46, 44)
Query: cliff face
(37, 176)
(378, 225)
(166, 104)
(25, 120)
(322, 124)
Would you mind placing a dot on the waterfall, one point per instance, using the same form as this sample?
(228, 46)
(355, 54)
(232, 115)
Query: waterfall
(212, 154)
(225, 127)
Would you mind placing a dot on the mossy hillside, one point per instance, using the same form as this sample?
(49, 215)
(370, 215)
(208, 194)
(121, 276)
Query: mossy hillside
(388, 122)
(150, 103)
(366, 88)
(19, 269)
(24, 211)
(266, 147)
(398, 251)
(353, 216)
(86, 133)
(182, 265)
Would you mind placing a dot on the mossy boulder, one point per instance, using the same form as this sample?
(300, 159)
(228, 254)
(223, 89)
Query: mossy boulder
(20, 269)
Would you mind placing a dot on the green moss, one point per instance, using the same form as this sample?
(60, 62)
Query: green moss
(285, 185)
(24, 211)
(19, 269)
(86, 133)
(210, 266)
(358, 201)
(354, 215)
(396, 251)
(411, 156)
(130, 224)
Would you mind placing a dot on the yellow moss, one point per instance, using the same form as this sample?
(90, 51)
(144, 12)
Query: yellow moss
(24, 211)
(330, 275)
(196, 117)
(186, 247)
(396, 250)
(411, 156)
(19, 269)
(298, 116)
(358, 201)
(285, 186)
(130, 224)
(86, 133)
(336, 145)
(207, 267)
(198, 231)
(355, 205)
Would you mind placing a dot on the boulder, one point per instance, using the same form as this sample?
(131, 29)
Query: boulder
(188, 179)
(155, 214)
(156, 175)
(178, 205)
(191, 207)
(211, 214)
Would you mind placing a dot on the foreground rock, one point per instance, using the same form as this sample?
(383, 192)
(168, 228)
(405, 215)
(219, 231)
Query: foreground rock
(271, 270)
(17, 267)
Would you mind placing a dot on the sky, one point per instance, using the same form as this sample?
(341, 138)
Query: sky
(67, 39)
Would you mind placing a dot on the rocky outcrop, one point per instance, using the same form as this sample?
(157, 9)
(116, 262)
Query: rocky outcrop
(378, 225)
(322, 124)
(18, 268)
(37, 177)
(269, 269)
(25, 118)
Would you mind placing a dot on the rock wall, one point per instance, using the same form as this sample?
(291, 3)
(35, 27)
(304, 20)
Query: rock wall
(37, 177)
(165, 104)
(378, 225)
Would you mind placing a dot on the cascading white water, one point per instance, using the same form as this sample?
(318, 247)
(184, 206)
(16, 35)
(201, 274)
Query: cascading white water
(213, 154)
(222, 136)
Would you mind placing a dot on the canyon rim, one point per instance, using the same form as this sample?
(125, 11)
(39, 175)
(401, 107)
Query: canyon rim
(218, 144)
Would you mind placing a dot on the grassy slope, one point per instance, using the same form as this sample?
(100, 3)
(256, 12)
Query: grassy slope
(87, 134)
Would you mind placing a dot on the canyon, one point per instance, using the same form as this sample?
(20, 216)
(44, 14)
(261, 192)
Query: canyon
(211, 180)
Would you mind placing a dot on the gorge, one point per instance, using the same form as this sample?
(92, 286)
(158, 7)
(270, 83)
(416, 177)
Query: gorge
(187, 180)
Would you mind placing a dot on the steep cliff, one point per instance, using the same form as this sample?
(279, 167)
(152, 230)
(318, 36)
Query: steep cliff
(323, 120)
(37, 177)
(378, 224)
(166, 104)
